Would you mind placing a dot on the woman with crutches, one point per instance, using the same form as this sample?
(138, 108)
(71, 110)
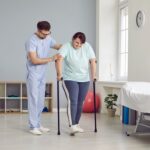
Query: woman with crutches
(76, 76)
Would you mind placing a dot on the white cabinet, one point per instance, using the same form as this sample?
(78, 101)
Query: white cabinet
(13, 97)
(109, 87)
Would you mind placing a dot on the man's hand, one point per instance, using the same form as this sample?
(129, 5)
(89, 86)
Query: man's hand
(57, 46)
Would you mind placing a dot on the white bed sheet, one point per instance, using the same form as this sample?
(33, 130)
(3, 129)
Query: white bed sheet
(136, 95)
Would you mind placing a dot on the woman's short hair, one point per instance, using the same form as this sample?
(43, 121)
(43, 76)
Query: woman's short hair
(79, 35)
(43, 25)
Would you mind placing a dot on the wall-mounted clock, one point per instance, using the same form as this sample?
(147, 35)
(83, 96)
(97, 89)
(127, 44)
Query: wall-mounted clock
(140, 18)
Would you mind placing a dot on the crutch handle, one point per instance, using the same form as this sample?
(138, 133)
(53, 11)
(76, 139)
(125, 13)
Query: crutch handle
(94, 80)
(61, 79)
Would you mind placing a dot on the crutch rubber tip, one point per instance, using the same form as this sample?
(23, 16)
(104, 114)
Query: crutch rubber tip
(127, 134)
(58, 133)
(72, 134)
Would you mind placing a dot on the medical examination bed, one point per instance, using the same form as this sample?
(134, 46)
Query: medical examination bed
(136, 95)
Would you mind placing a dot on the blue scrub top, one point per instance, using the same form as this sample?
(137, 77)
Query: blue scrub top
(42, 48)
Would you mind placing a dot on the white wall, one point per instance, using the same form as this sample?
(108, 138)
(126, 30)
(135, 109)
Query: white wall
(18, 20)
(139, 42)
(107, 38)
(106, 43)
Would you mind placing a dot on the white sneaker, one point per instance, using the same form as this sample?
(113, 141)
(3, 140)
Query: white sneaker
(36, 131)
(42, 129)
(79, 128)
(73, 129)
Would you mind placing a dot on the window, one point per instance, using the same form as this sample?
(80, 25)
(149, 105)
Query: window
(123, 48)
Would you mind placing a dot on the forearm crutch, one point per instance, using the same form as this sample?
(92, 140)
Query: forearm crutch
(94, 93)
(58, 104)
(58, 112)
(95, 119)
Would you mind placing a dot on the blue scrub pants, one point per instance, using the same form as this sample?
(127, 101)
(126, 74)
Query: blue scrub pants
(36, 97)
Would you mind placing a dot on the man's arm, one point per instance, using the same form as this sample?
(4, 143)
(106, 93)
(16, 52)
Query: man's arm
(93, 68)
(32, 56)
(57, 46)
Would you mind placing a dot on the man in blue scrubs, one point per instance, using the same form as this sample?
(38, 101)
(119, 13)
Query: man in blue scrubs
(37, 48)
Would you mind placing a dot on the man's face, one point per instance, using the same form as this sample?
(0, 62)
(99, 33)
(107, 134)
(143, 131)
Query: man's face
(43, 33)
(76, 43)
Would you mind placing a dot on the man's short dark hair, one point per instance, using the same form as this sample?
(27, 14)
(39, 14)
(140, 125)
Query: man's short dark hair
(81, 36)
(43, 25)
